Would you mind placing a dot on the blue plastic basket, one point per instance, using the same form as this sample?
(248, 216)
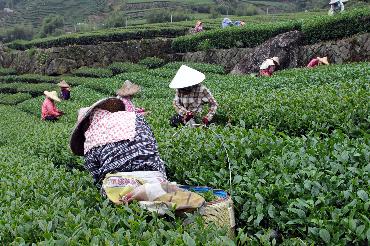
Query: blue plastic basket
(202, 189)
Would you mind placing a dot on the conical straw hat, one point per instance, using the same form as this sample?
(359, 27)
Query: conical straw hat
(267, 63)
(333, 1)
(185, 77)
(52, 95)
(64, 84)
(128, 89)
(323, 60)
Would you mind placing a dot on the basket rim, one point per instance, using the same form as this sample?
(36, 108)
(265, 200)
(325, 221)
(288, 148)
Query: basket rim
(219, 200)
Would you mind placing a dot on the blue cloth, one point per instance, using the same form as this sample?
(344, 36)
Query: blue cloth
(202, 189)
(226, 22)
(237, 23)
(65, 94)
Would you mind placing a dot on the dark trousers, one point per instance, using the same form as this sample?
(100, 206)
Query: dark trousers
(178, 120)
(51, 118)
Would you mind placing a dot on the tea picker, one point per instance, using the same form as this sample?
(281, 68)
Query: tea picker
(122, 156)
(190, 97)
(336, 6)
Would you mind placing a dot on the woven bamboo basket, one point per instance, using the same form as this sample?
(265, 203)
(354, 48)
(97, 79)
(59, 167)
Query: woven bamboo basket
(221, 213)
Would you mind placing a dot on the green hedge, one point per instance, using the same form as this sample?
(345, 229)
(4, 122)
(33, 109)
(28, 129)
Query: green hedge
(152, 62)
(7, 71)
(29, 78)
(204, 68)
(124, 67)
(93, 72)
(310, 189)
(33, 89)
(12, 99)
(248, 36)
(330, 28)
(315, 29)
(107, 35)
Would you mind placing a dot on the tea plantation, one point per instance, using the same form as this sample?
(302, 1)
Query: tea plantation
(298, 145)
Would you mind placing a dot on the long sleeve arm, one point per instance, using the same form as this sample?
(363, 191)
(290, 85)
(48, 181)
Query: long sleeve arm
(177, 105)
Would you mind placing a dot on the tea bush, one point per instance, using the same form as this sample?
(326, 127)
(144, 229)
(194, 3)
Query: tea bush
(99, 36)
(12, 99)
(297, 144)
(7, 71)
(205, 68)
(124, 67)
(230, 37)
(152, 62)
(93, 72)
(33, 89)
(314, 28)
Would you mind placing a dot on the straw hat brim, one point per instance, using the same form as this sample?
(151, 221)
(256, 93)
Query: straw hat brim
(276, 59)
(267, 63)
(186, 77)
(63, 84)
(77, 140)
(128, 91)
(52, 96)
(323, 60)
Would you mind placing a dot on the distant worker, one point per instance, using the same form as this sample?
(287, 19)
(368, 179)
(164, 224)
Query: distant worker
(336, 6)
(49, 111)
(226, 22)
(318, 61)
(125, 94)
(276, 61)
(65, 90)
(268, 67)
(198, 27)
(121, 154)
(239, 23)
(190, 97)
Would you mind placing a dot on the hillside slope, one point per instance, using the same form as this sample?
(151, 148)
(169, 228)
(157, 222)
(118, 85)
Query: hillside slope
(75, 11)
(14, 12)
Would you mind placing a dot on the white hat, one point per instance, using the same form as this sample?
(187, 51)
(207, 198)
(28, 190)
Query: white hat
(333, 1)
(52, 95)
(267, 63)
(276, 59)
(185, 77)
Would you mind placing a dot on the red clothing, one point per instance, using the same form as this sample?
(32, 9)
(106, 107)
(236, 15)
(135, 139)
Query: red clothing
(198, 28)
(266, 72)
(48, 108)
(313, 63)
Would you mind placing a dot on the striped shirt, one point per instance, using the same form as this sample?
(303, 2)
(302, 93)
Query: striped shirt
(140, 154)
(194, 101)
